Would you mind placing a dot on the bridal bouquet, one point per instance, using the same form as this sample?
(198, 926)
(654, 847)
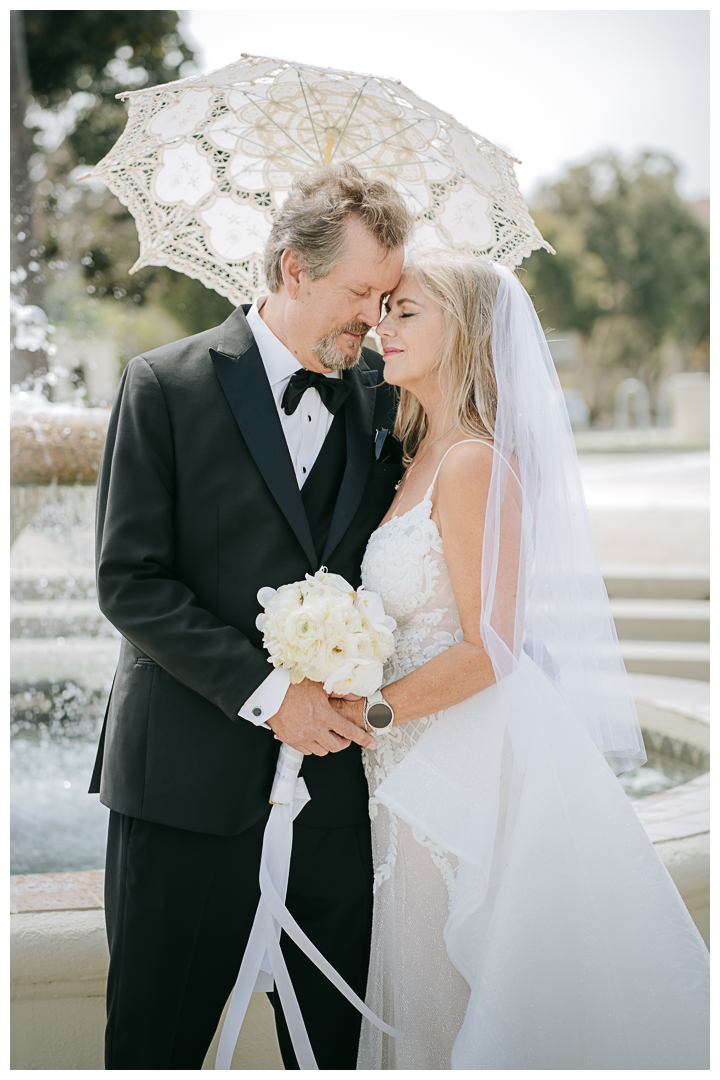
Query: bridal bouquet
(324, 630)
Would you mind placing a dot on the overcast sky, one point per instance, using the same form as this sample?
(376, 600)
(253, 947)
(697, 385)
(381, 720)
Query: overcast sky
(550, 87)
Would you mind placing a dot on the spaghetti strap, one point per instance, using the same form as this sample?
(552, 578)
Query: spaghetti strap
(486, 442)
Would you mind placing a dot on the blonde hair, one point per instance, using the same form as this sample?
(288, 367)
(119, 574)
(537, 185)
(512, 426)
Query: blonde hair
(464, 288)
(312, 221)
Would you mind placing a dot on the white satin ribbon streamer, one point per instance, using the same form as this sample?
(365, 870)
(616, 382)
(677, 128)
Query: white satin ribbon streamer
(263, 961)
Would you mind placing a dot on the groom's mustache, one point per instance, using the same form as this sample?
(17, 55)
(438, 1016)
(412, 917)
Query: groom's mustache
(352, 328)
(328, 353)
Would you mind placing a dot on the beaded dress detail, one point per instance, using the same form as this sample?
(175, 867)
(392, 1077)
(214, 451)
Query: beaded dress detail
(411, 983)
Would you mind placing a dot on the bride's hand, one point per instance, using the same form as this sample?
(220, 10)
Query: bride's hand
(350, 706)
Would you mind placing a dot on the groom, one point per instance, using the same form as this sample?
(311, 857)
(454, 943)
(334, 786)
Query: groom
(239, 458)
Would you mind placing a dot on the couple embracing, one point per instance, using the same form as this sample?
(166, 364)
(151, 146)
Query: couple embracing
(467, 862)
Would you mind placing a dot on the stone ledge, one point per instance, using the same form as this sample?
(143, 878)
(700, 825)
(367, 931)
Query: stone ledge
(59, 963)
(58, 954)
(681, 812)
(78, 891)
(686, 698)
(59, 443)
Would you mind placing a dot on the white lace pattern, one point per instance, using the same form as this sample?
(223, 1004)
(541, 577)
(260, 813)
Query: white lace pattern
(405, 563)
(205, 162)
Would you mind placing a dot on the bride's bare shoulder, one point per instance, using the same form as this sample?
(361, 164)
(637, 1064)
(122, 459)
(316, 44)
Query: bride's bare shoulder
(467, 464)
(461, 491)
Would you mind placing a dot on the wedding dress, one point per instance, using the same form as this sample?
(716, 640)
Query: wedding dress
(522, 917)
(411, 977)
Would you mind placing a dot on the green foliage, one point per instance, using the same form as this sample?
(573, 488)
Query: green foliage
(68, 50)
(99, 54)
(631, 272)
(194, 306)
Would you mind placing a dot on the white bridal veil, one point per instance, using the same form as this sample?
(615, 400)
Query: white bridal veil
(538, 550)
(576, 945)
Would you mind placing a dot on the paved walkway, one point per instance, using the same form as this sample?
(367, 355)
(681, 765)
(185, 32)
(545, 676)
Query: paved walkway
(649, 508)
(689, 697)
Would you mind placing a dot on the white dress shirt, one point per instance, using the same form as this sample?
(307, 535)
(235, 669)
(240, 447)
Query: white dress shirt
(305, 433)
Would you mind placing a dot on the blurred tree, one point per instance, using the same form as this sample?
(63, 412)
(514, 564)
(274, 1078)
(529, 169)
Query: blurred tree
(90, 56)
(631, 274)
(77, 62)
(27, 356)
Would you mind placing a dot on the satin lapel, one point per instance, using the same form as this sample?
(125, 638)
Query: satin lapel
(359, 409)
(247, 390)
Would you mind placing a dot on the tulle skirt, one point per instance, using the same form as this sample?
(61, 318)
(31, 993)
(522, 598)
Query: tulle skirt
(526, 921)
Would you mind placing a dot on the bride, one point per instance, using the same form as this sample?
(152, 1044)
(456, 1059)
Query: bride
(522, 917)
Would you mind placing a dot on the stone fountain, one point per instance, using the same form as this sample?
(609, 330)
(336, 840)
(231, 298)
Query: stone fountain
(50, 445)
(59, 952)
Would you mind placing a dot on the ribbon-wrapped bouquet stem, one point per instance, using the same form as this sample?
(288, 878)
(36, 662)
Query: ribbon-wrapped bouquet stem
(323, 630)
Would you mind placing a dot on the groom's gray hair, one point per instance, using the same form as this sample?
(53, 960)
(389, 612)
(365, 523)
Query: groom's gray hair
(312, 220)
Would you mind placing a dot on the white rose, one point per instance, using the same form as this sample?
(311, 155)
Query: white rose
(325, 580)
(383, 645)
(336, 650)
(361, 677)
(364, 646)
(371, 608)
(317, 627)
(300, 630)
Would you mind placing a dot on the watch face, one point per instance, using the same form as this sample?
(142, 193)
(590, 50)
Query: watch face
(379, 715)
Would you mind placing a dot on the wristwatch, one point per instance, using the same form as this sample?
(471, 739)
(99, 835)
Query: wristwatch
(377, 714)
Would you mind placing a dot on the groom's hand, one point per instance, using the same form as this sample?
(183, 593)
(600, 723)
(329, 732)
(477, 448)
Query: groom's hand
(307, 722)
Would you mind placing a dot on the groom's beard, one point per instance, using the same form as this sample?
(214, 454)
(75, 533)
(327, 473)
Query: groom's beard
(330, 356)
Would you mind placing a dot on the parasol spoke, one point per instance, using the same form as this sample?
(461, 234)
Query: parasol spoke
(290, 131)
(263, 156)
(309, 114)
(317, 101)
(400, 164)
(287, 107)
(285, 132)
(352, 113)
(382, 142)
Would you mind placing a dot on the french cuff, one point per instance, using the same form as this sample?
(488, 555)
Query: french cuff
(267, 699)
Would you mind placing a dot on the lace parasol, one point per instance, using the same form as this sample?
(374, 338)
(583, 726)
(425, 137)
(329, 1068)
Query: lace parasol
(204, 163)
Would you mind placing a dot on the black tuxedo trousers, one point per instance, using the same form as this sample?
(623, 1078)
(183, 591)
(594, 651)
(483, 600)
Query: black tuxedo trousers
(173, 964)
(199, 508)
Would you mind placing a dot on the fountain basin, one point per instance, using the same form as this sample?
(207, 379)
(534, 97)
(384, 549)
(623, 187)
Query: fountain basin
(58, 444)
(51, 445)
(59, 962)
(59, 952)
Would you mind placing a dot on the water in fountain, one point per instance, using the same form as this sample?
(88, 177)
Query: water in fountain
(669, 763)
(64, 656)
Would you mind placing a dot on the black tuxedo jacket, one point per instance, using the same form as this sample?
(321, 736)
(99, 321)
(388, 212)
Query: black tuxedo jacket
(198, 507)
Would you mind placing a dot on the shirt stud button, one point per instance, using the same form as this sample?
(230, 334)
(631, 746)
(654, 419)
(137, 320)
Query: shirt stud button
(304, 469)
(257, 712)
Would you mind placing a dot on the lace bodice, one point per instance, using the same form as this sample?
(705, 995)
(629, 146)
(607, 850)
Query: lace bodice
(405, 564)
(414, 877)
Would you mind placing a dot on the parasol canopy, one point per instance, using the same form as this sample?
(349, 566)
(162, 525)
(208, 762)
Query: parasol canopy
(205, 162)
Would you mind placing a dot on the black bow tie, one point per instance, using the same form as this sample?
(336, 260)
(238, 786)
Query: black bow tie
(333, 392)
